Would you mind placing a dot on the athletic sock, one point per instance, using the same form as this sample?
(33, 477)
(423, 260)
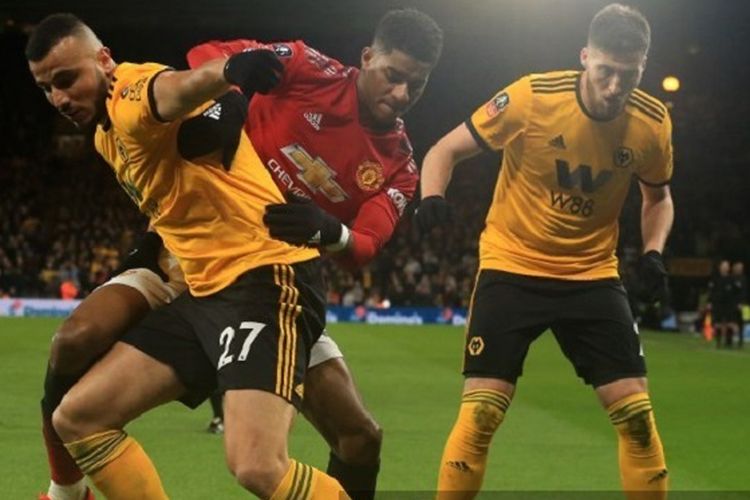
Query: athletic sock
(643, 470)
(217, 404)
(303, 482)
(359, 481)
(75, 491)
(118, 466)
(465, 456)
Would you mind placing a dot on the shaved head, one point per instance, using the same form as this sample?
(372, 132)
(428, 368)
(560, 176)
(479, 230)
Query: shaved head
(53, 29)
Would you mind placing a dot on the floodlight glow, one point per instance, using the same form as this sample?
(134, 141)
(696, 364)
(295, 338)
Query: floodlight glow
(671, 84)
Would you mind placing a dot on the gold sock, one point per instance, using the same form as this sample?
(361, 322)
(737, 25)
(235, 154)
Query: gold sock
(118, 466)
(643, 471)
(465, 455)
(302, 482)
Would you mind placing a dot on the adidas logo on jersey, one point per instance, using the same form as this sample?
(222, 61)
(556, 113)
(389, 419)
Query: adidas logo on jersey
(313, 119)
(213, 112)
(558, 142)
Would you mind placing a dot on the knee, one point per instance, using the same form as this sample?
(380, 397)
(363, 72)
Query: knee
(66, 423)
(260, 476)
(361, 446)
(74, 346)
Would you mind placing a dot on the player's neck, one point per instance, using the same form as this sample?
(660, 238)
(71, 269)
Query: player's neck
(585, 95)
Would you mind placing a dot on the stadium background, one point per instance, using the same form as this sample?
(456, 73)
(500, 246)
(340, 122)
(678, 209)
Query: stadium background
(64, 218)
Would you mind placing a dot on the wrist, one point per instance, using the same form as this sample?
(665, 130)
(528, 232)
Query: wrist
(343, 241)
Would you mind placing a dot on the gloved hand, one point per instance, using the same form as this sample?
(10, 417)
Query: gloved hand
(254, 71)
(145, 254)
(433, 211)
(302, 222)
(652, 277)
(218, 128)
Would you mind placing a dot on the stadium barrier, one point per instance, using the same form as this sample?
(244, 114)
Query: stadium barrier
(397, 315)
(29, 308)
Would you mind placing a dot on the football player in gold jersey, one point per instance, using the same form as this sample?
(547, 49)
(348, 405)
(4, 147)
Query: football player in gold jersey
(255, 305)
(571, 143)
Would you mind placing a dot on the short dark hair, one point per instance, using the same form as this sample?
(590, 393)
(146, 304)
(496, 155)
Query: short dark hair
(620, 29)
(49, 32)
(412, 32)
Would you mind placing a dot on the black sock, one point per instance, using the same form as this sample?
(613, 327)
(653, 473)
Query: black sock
(55, 388)
(216, 404)
(358, 480)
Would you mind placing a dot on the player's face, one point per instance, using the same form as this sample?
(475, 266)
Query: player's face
(389, 84)
(74, 78)
(610, 79)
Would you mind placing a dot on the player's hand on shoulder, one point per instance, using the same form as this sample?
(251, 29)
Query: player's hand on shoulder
(433, 211)
(145, 254)
(652, 277)
(254, 71)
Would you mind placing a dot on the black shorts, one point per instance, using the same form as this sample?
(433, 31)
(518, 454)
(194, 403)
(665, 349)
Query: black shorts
(591, 321)
(254, 334)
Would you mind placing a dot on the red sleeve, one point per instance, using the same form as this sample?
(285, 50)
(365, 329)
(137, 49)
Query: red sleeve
(200, 54)
(289, 53)
(378, 216)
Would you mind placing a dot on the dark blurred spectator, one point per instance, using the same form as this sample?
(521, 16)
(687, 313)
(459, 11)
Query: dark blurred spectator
(724, 304)
(740, 285)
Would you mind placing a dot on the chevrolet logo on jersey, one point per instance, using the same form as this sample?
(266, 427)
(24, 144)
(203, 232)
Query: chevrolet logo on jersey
(315, 174)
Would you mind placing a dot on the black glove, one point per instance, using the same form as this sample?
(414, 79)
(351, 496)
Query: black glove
(652, 277)
(432, 211)
(218, 128)
(302, 222)
(145, 254)
(254, 71)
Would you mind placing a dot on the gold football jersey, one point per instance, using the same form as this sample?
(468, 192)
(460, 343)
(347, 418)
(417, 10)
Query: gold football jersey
(565, 175)
(210, 219)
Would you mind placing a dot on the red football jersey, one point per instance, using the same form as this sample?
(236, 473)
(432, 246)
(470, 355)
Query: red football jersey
(308, 134)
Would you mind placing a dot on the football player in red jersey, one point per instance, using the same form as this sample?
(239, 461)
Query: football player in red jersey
(346, 200)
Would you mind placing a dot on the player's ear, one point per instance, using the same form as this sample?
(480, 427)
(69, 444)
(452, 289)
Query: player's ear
(367, 54)
(584, 56)
(104, 59)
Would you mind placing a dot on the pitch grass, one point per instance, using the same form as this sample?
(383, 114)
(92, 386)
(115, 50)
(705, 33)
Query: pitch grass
(555, 437)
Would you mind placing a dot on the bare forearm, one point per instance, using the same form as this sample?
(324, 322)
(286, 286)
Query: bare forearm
(442, 158)
(437, 170)
(178, 93)
(656, 222)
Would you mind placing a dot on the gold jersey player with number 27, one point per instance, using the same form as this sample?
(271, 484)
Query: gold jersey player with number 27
(255, 305)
